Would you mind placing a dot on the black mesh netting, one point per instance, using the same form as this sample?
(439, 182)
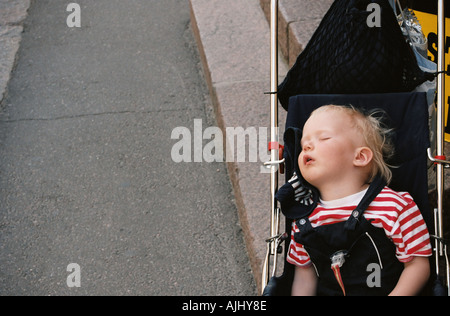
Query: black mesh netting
(346, 56)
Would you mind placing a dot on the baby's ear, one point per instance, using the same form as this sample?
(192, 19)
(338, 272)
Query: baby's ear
(363, 157)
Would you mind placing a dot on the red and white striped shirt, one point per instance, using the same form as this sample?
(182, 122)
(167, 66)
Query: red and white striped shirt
(396, 213)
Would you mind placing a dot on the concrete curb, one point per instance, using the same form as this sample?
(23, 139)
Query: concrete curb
(12, 16)
(298, 20)
(234, 43)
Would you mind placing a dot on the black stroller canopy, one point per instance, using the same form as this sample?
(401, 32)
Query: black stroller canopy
(346, 56)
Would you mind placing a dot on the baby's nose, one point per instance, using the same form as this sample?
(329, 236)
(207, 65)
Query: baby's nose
(307, 146)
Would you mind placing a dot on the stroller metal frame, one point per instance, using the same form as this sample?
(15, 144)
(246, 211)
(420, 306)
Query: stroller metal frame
(440, 159)
(273, 243)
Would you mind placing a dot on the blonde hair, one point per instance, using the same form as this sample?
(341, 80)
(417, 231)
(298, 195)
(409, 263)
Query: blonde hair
(376, 137)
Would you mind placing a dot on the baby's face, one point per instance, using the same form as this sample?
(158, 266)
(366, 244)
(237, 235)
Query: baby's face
(329, 144)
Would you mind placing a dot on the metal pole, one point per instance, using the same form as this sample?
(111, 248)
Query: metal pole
(274, 139)
(440, 117)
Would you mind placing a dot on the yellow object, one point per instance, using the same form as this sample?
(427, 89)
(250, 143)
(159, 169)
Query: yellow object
(429, 26)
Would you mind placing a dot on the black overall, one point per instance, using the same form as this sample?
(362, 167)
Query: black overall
(361, 245)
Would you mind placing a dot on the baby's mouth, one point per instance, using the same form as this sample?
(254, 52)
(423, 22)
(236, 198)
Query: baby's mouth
(307, 160)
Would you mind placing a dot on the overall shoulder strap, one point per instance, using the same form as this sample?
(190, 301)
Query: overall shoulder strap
(375, 188)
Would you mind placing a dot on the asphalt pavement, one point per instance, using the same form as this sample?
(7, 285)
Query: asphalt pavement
(86, 174)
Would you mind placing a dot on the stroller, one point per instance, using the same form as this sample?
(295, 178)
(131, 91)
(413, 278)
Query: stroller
(394, 85)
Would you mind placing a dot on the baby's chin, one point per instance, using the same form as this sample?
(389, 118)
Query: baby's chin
(310, 179)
